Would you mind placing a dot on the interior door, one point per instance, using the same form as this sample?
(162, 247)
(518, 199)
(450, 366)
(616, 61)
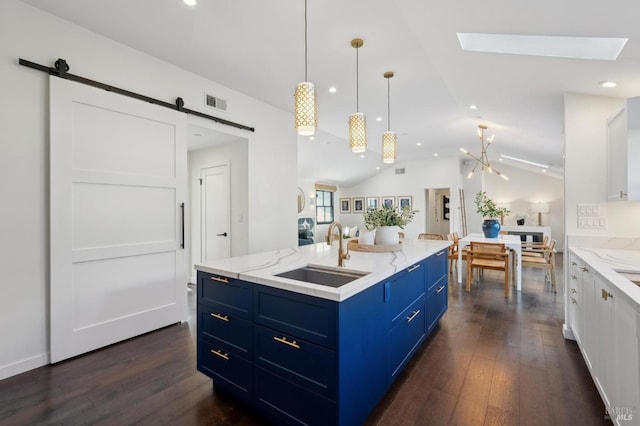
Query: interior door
(215, 216)
(117, 184)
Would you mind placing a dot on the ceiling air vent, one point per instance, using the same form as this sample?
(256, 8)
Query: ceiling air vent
(215, 102)
(400, 171)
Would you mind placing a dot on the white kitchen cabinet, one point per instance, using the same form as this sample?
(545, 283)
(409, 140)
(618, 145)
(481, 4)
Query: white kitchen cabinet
(607, 328)
(623, 152)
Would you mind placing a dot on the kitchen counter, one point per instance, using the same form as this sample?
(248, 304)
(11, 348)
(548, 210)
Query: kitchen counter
(605, 261)
(261, 267)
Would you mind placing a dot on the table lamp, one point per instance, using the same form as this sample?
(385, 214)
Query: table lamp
(540, 208)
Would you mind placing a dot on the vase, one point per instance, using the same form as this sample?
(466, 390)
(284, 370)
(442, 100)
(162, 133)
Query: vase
(491, 228)
(520, 222)
(387, 235)
(367, 237)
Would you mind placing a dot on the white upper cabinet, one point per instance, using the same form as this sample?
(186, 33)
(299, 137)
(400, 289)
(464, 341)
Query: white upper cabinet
(623, 152)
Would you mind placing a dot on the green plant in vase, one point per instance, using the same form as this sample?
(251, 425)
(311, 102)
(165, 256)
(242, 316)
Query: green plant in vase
(490, 212)
(386, 221)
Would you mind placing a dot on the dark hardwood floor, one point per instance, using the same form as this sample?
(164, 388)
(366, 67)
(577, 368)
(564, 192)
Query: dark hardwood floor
(491, 361)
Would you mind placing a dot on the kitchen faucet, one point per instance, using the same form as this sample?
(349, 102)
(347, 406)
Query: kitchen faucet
(342, 255)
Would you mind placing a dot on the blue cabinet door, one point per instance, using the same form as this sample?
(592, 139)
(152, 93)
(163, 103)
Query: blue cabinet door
(437, 302)
(229, 294)
(406, 337)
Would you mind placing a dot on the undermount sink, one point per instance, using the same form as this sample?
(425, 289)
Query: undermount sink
(323, 275)
(632, 276)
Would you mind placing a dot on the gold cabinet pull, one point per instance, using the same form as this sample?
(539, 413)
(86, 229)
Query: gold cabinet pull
(220, 317)
(574, 264)
(573, 290)
(220, 280)
(583, 269)
(220, 354)
(573, 300)
(413, 268)
(413, 315)
(606, 295)
(573, 277)
(286, 342)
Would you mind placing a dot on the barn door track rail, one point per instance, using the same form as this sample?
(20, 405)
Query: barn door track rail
(61, 69)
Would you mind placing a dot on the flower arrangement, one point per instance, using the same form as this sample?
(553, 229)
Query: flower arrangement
(388, 216)
(488, 208)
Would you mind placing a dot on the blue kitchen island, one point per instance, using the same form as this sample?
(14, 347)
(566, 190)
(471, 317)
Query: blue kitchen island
(319, 354)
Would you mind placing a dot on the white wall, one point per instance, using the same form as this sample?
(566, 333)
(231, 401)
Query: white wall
(235, 154)
(442, 172)
(586, 167)
(28, 33)
(523, 188)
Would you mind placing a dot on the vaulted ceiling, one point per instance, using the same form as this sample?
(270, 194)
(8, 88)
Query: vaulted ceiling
(257, 47)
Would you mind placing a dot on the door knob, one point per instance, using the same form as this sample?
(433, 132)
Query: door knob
(224, 234)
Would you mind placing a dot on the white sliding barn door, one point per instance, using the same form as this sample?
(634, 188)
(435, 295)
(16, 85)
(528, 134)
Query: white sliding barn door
(118, 178)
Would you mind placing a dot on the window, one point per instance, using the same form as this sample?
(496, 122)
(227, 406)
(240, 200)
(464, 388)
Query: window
(324, 207)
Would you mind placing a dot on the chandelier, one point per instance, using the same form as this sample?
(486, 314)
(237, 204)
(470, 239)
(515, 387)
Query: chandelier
(483, 160)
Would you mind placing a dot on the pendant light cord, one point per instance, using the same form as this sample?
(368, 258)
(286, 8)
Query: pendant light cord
(357, 82)
(388, 106)
(305, 40)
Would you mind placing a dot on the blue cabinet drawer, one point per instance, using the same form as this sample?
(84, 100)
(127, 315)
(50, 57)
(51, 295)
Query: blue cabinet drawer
(218, 325)
(437, 302)
(230, 372)
(407, 336)
(306, 317)
(436, 265)
(228, 294)
(403, 290)
(306, 364)
(285, 403)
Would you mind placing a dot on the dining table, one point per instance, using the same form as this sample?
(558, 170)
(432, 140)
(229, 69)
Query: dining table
(512, 242)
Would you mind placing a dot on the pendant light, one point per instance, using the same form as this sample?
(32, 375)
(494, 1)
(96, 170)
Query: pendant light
(357, 120)
(389, 142)
(306, 102)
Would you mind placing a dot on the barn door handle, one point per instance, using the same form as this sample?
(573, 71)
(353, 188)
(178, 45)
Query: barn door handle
(224, 234)
(182, 213)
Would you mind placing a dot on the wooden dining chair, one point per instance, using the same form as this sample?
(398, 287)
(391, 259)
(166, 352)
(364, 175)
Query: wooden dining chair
(428, 236)
(545, 259)
(493, 256)
(453, 252)
(535, 248)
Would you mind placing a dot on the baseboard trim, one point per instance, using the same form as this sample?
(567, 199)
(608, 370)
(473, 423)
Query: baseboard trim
(24, 365)
(567, 333)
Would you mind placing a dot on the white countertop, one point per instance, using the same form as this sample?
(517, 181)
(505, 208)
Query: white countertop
(605, 261)
(261, 267)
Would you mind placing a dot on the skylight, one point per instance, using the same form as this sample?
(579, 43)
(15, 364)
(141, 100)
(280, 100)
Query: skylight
(602, 48)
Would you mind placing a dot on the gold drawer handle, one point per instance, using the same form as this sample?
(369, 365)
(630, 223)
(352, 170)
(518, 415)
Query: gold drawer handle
(574, 264)
(583, 269)
(606, 295)
(413, 268)
(221, 317)
(220, 354)
(413, 315)
(573, 290)
(220, 280)
(286, 342)
(573, 277)
(573, 300)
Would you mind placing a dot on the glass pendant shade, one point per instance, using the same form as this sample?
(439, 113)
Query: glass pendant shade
(389, 144)
(306, 108)
(358, 132)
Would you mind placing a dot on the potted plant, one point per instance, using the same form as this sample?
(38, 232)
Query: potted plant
(386, 221)
(520, 218)
(490, 212)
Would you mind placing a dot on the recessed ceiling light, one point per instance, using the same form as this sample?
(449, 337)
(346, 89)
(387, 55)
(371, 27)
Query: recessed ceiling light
(311, 138)
(524, 161)
(608, 84)
(419, 144)
(473, 107)
(190, 2)
(361, 155)
(377, 167)
(544, 170)
(603, 48)
(332, 89)
(435, 155)
(378, 118)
